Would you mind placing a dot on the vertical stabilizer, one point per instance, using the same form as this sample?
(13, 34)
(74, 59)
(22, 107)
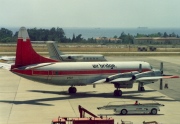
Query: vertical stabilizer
(54, 53)
(25, 54)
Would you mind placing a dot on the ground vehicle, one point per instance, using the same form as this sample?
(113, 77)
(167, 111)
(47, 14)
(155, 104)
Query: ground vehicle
(82, 119)
(146, 108)
(145, 48)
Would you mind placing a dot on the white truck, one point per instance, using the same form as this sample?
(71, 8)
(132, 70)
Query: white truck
(136, 108)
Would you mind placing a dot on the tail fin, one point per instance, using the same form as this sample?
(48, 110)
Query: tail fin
(25, 54)
(53, 50)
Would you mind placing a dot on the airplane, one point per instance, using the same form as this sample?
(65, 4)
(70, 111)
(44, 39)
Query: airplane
(58, 55)
(32, 66)
(7, 58)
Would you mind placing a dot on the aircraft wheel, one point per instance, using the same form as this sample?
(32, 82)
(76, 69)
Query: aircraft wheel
(154, 111)
(142, 89)
(70, 90)
(124, 112)
(74, 89)
(117, 93)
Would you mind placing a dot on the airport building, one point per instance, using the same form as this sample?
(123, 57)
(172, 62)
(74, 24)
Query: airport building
(110, 40)
(157, 40)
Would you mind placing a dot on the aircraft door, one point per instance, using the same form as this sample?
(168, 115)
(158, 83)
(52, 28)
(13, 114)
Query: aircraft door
(49, 76)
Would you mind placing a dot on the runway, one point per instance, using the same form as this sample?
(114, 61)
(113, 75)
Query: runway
(26, 102)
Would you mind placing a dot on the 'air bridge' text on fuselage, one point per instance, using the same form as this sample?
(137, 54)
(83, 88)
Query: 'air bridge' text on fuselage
(104, 66)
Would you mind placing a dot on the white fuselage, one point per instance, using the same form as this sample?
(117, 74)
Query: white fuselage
(82, 57)
(77, 73)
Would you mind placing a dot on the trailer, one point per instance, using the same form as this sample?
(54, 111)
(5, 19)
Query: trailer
(135, 108)
(82, 119)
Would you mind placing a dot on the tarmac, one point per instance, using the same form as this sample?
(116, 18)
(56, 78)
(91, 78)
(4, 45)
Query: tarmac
(26, 102)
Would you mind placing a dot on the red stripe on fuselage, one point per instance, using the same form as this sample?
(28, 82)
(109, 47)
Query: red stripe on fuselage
(80, 72)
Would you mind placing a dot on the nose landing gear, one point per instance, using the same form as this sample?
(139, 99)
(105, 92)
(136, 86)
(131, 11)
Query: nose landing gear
(141, 86)
(117, 92)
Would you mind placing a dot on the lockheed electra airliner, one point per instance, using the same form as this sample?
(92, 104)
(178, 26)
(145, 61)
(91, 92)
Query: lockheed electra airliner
(32, 66)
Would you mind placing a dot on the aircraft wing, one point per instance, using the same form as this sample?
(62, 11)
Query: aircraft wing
(118, 80)
(100, 81)
(142, 79)
(5, 66)
(152, 78)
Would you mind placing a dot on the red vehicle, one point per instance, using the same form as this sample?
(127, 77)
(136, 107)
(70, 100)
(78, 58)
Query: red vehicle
(82, 119)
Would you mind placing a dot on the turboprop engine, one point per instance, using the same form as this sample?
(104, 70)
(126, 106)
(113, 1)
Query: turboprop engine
(121, 75)
(122, 80)
(147, 74)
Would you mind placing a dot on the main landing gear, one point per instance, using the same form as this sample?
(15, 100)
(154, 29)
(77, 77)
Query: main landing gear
(72, 90)
(117, 92)
(141, 86)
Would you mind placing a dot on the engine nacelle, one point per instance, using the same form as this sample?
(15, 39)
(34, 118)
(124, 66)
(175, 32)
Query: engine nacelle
(124, 84)
(121, 75)
(148, 74)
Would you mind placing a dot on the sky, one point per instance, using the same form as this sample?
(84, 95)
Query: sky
(90, 13)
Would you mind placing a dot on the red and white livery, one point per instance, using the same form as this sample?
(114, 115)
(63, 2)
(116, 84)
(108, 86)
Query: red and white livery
(30, 65)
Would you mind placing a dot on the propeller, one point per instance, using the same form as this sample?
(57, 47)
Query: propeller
(161, 80)
(140, 70)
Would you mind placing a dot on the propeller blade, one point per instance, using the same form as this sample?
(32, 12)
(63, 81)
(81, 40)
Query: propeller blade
(161, 84)
(140, 68)
(161, 67)
(161, 81)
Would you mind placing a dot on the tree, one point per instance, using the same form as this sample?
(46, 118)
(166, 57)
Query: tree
(173, 35)
(91, 40)
(6, 40)
(73, 38)
(165, 34)
(5, 35)
(126, 38)
(115, 36)
(78, 38)
(159, 34)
